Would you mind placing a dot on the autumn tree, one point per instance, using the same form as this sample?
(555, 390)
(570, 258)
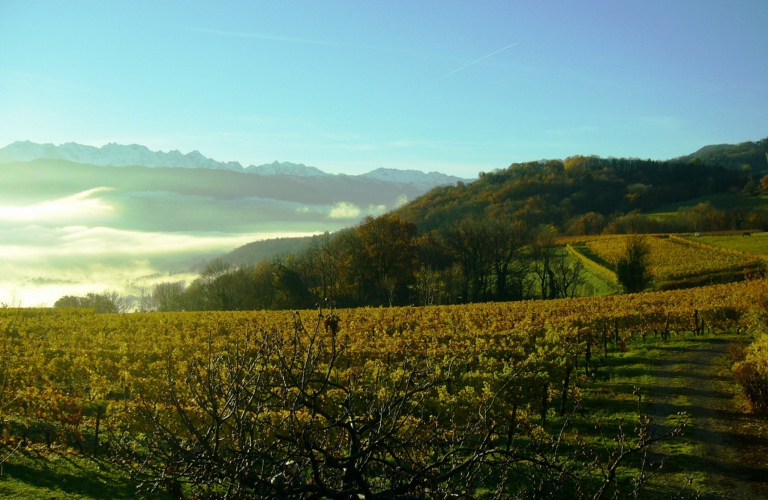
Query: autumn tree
(544, 254)
(320, 266)
(390, 253)
(168, 296)
(433, 253)
(468, 244)
(506, 240)
(106, 302)
(633, 269)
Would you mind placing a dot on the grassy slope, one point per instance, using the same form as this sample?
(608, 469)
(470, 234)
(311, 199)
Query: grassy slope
(598, 279)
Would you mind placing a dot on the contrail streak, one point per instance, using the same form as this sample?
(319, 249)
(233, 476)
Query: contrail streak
(476, 61)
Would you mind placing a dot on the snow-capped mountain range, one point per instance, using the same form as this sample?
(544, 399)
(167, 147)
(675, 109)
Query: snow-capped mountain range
(118, 155)
(415, 178)
(285, 168)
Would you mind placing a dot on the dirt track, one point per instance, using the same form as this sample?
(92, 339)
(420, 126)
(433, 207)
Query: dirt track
(726, 448)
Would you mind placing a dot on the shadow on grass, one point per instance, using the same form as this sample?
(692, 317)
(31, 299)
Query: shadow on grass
(69, 476)
(688, 463)
(653, 391)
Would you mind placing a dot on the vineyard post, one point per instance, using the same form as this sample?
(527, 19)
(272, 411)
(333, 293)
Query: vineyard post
(96, 437)
(588, 354)
(544, 402)
(665, 333)
(616, 332)
(695, 322)
(568, 369)
(512, 424)
(605, 338)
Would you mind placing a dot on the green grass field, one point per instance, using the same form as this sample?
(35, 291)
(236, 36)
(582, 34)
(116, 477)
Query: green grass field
(755, 244)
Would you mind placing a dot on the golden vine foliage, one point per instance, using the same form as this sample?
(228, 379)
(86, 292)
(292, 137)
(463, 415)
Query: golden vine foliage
(671, 258)
(56, 364)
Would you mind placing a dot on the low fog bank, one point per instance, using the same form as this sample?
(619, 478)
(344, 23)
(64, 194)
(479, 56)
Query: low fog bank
(70, 229)
(39, 265)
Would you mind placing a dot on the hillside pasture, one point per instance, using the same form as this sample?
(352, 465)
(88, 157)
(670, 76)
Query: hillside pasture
(756, 244)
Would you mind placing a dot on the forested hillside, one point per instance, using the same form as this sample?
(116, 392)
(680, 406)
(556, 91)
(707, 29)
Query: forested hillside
(265, 249)
(562, 193)
(752, 154)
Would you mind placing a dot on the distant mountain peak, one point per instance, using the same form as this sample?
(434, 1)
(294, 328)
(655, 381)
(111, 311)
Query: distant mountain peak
(111, 155)
(119, 155)
(413, 177)
(286, 168)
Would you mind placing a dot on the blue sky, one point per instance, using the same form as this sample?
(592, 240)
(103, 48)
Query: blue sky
(353, 86)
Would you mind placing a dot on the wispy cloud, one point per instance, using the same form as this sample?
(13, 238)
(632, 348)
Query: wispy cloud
(421, 53)
(344, 210)
(477, 61)
(263, 36)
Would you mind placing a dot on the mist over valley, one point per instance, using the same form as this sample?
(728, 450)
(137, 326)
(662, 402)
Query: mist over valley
(69, 228)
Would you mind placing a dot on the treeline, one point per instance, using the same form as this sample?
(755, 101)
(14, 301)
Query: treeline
(699, 218)
(106, 302)
(382, 262)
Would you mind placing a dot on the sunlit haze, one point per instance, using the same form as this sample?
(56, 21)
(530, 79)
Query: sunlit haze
(347, 87)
